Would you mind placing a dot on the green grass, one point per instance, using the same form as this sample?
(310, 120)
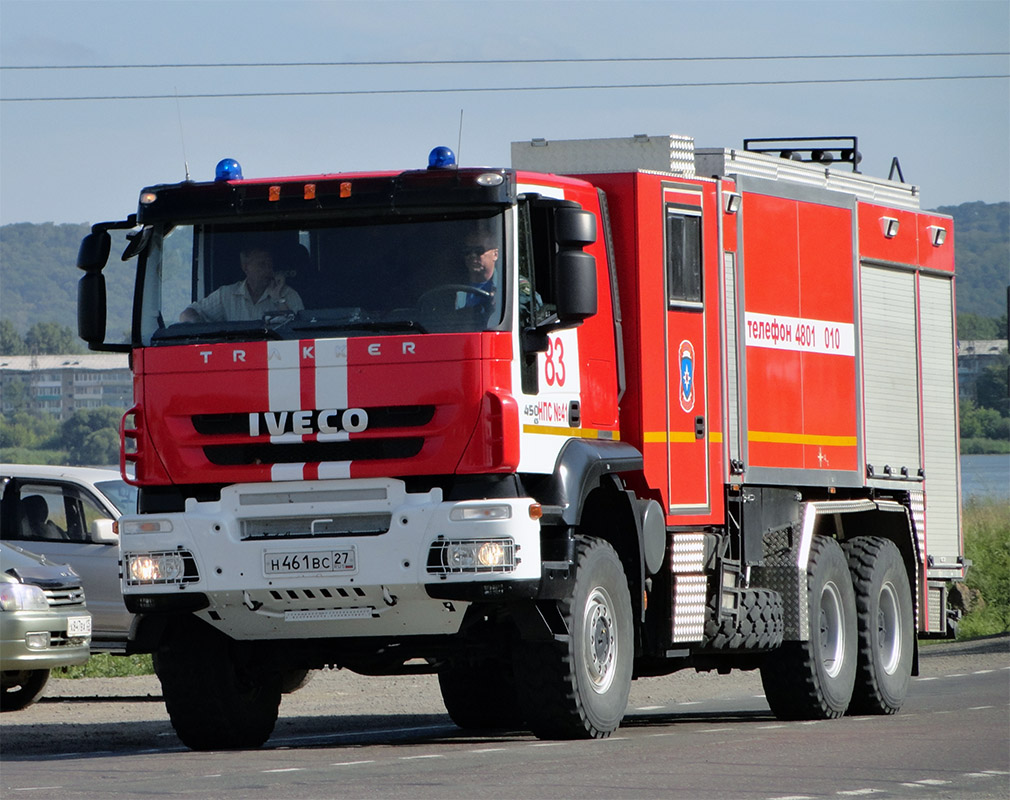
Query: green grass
(986, 525)
(103, 665)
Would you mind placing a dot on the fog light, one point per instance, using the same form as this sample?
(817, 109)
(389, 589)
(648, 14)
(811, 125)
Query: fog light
(38, 640)
(156, 568)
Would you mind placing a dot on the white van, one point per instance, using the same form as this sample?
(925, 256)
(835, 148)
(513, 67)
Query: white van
(66, 514)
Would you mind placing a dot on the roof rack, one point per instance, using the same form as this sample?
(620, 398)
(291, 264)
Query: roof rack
(810, 149)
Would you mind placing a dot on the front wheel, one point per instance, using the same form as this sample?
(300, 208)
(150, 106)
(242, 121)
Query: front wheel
(216, 699)
(814, 679)
(578, 687)
(886, 625)
(22, 688)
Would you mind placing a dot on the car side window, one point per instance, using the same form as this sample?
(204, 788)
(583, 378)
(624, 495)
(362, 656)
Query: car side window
(89, 512)
(42, 514)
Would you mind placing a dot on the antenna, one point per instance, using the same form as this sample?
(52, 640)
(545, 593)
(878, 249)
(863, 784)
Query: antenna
(459, 140)
(182, 135)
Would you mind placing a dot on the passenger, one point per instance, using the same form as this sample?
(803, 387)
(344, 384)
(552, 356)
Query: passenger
(260, 293)
(480, 256)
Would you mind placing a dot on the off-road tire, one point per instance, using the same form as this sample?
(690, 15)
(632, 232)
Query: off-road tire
(578, 687)
(759, 623)
(886, 625)
(481, 696)
(216, 700)
(814, 679)
(22, 688)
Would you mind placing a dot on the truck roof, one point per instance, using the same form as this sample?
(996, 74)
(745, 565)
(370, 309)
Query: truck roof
(677, 155)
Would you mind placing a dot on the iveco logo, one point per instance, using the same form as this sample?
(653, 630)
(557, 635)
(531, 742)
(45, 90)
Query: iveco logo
(327, 420)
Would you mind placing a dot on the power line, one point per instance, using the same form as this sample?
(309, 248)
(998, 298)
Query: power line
(498, 61)
(478, 89)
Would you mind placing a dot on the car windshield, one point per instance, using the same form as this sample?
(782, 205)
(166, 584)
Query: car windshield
(386, 276)
(120, 494)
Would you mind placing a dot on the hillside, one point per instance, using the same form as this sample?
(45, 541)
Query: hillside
(38, 281)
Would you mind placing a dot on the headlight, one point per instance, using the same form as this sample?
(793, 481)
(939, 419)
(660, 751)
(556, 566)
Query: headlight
(155, 568)
(481, 512)
(22, 597)
(134, 525)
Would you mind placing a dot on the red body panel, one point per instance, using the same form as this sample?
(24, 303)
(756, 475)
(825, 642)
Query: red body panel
(445, 375)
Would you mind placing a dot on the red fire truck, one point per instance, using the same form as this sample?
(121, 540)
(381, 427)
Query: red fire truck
(627, 407)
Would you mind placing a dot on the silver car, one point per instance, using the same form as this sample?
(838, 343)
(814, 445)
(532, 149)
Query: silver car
(66, 514)
(44, 624)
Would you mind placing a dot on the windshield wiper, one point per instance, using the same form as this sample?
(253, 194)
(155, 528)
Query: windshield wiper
(205, 331)
(390, 325)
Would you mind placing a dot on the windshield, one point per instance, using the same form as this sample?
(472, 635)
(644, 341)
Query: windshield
(120, 494)
(223, 281)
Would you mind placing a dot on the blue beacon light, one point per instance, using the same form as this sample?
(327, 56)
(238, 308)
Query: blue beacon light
(441, 158)
(228, 169)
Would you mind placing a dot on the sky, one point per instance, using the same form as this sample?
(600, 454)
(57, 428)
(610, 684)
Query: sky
(86, 160)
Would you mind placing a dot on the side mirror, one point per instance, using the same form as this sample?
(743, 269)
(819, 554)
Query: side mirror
(93, 254)
(91, 308)
(574, 228)
(102, 533)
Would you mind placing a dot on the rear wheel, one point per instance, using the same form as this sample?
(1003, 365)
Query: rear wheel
(578, 687)
(21, 688)
(886, 625)
(216, 699)
(814, 679)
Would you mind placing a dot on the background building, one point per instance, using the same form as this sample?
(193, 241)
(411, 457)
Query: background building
(973, 358)
(61, 385)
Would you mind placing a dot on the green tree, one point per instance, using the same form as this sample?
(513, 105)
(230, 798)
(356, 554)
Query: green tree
(99, 447)
(975, 326)
(77, 434)
(11, 343)
(51, 338)
(991, 387)
(32, 431)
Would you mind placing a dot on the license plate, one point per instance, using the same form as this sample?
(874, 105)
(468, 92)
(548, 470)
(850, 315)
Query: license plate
(79, 626)
(310, 562)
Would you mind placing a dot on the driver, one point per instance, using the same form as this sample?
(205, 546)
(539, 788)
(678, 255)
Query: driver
(261, 292)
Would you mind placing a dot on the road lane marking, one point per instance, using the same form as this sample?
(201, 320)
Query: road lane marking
(858, 792)
(351, 763)
(926, 782)
(980, 708)
(649, 708)
(415, 758)
(282, 769)
(489, 750)
(983, 671)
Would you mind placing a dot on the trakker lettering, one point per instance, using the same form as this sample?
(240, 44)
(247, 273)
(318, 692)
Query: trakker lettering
(305, 423)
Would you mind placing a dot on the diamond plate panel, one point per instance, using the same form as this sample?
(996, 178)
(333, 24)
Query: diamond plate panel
(689, 594)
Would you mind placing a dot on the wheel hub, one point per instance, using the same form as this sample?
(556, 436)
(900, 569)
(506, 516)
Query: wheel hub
(599, 641)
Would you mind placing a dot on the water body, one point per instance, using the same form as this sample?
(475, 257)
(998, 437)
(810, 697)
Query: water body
(985, 476)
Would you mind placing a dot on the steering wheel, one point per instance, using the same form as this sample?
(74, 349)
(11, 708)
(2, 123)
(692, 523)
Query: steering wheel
(428, 299)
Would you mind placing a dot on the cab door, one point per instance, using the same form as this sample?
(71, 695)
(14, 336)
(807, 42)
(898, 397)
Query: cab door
(687, 428)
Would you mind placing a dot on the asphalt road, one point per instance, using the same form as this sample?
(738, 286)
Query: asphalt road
(685, 736)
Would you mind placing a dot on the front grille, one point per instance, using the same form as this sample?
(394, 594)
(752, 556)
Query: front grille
(325, 525)
(65, 597)
(230, 455)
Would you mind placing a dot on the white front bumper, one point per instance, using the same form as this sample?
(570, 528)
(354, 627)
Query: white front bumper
(233, 548)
